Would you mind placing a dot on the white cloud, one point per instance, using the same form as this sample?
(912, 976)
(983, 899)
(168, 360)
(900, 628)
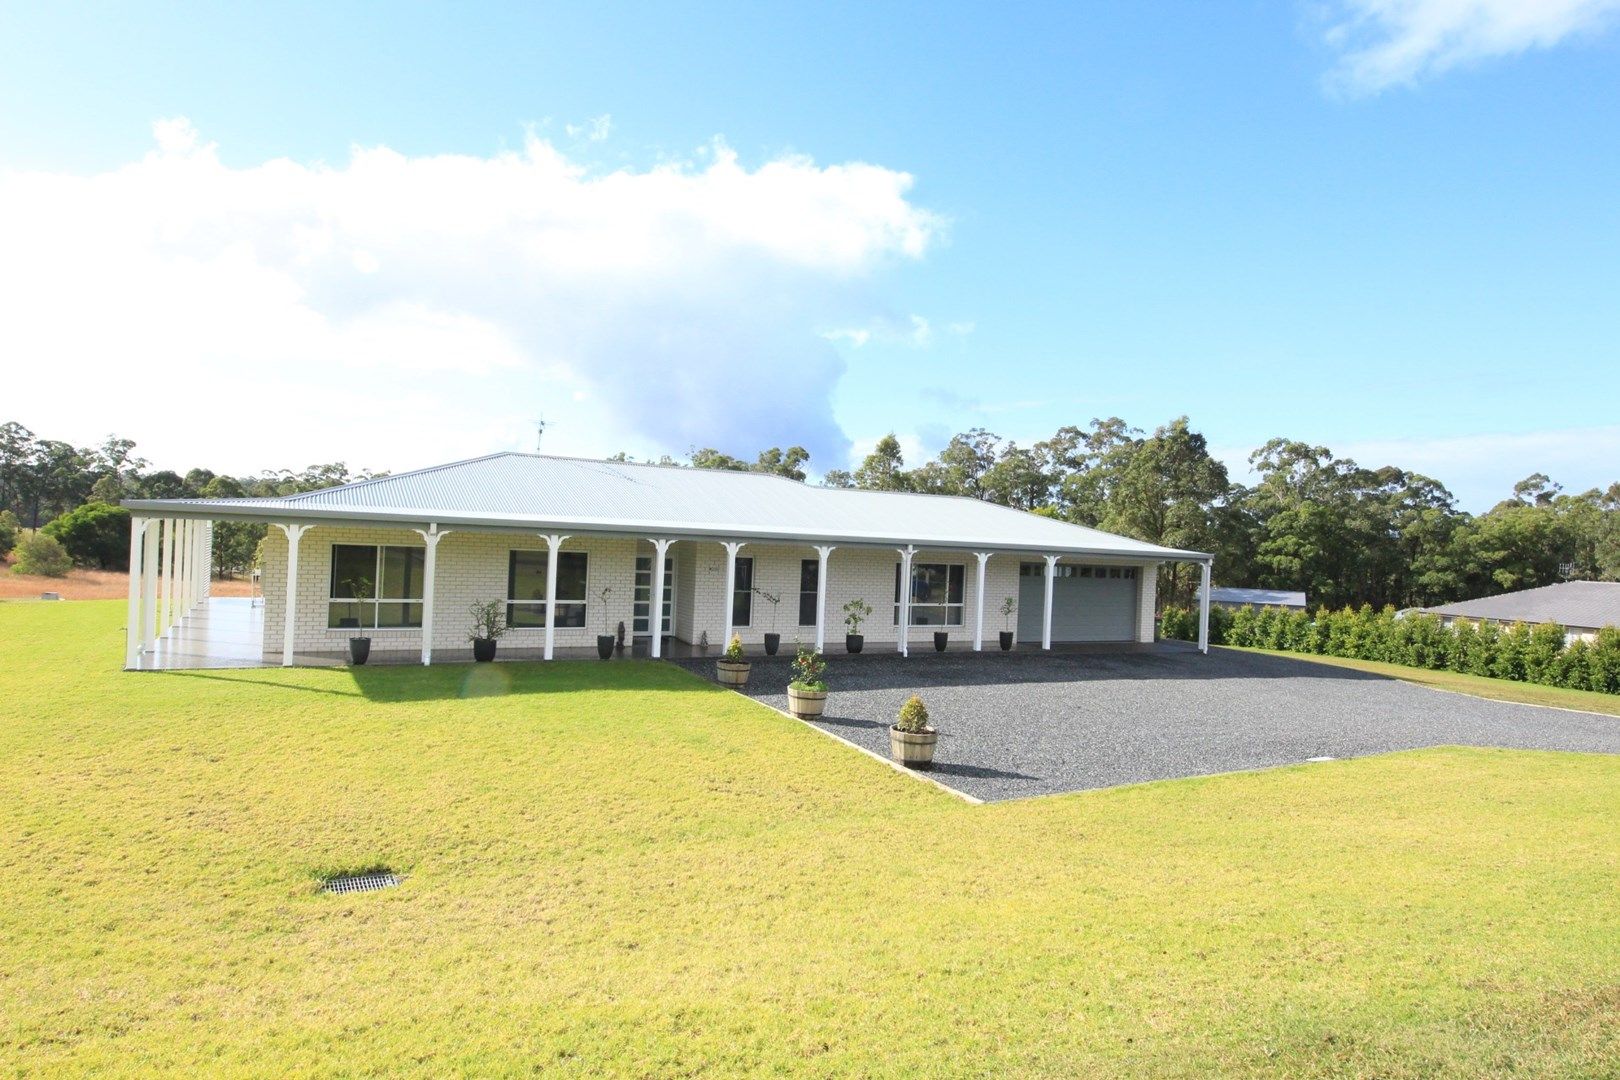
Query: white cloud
(913, 331)
(596, 129)
(1393, 42)
(393, 311)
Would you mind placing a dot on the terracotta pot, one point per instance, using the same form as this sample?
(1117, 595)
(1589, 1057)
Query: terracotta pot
(359, 650)
(806, 704)
(913, 750)
(731, 672)
(1006, 641)
(483, 649)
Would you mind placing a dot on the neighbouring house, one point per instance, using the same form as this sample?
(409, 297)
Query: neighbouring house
(1258, 598)
(574, 547)
(1582, 608)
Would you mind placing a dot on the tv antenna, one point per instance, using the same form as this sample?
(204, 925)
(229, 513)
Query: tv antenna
(539, 433)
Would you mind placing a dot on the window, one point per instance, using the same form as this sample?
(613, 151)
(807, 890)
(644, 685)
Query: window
(526, 589)
(1062, 570)
(809, 573)
(742, 596)
(936, 594)
(375, 586)
(641, 602)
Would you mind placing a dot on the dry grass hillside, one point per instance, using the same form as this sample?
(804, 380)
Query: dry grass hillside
(83, 584)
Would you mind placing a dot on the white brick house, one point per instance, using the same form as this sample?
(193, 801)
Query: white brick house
(569, 547)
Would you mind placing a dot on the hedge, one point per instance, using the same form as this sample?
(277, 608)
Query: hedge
(1520, 653)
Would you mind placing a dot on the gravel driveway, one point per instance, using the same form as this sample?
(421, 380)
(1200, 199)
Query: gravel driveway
(1019, 724)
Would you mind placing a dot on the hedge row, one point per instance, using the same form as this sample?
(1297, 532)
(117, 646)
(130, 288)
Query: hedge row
(1520, 653)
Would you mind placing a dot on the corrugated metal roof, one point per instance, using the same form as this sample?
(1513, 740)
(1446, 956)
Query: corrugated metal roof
(536, 491)
(1257, 597)
(1586, 604)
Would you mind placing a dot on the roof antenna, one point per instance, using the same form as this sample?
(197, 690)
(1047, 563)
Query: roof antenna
(539, 433)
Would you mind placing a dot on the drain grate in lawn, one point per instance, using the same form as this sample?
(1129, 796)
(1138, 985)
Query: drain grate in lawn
(371, 882)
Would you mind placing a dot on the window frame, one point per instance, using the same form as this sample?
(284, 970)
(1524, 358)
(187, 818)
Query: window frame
(538, 607)
(813, 566)
(744, 593)
(958, 608)
(378, 555)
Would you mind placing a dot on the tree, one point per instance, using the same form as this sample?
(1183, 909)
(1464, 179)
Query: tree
(708, 458)
(884, 468)
(789, 463)
(837, 478)
(94, 534)
(8, 532)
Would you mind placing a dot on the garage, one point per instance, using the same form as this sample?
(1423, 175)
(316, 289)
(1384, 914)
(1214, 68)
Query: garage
(1089, 603)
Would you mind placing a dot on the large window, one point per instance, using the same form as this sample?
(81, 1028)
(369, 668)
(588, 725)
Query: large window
(936, 594)
(742, 596)
(375, 586)
(526, 589)
(809, 572)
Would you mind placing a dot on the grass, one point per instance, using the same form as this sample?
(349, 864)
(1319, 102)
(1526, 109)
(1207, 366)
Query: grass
(1478, 685)
(618, 869)
(83, 583)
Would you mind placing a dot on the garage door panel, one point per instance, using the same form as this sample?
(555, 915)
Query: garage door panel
(1085, 607)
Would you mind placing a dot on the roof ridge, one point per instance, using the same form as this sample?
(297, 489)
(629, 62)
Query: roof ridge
(647, 465)
(353, 484)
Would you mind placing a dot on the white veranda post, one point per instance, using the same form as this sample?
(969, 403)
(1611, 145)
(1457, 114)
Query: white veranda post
(822, 551)
(166, 570)
(1203, 610)
(978, 593)
(905, 599)
(655, 602)
(554, 543)
(149, 576)
(430, 564)
(132, 621)
(732, 547)
(182, 558)
(289, 619)
(1046, 617)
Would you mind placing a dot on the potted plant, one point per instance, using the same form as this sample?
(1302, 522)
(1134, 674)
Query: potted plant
(941, 639)
(1008, 606)
(489, 623)
(807, 693)
(773, 640)
(856, 612)
(732, 667)
(911, 740)
(604, 640)
(359, 647)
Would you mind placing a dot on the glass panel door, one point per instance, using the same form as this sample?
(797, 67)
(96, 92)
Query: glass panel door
(643, 594)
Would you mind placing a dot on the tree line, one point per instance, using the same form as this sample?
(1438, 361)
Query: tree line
(72, 494)
(1343, 533)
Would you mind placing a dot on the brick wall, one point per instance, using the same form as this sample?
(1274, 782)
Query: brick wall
(472, 566)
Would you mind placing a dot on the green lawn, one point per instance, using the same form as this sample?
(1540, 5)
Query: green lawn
(1478, 685)
(619, 869)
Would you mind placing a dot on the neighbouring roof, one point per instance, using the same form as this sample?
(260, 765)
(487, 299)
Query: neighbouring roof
(1587, 604)
(582, 496)
(1257, 597)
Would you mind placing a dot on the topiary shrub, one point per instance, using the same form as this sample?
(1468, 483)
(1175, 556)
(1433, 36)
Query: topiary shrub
(734, 649)
(913, 719)
(42, 555)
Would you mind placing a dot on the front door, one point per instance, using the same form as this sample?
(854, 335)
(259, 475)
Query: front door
(640, 612)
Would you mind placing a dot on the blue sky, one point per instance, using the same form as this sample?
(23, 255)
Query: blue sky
(1375, 225)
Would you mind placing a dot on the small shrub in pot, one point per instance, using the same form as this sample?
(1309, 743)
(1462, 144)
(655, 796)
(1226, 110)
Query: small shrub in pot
(732, 667)
(807, 692)
(911, 739)
(856, 612)
(489, 624)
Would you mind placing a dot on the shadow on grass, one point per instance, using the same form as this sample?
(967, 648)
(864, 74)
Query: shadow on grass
(452, 682)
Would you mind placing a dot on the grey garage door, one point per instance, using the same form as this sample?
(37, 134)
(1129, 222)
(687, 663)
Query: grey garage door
(1089, 603)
